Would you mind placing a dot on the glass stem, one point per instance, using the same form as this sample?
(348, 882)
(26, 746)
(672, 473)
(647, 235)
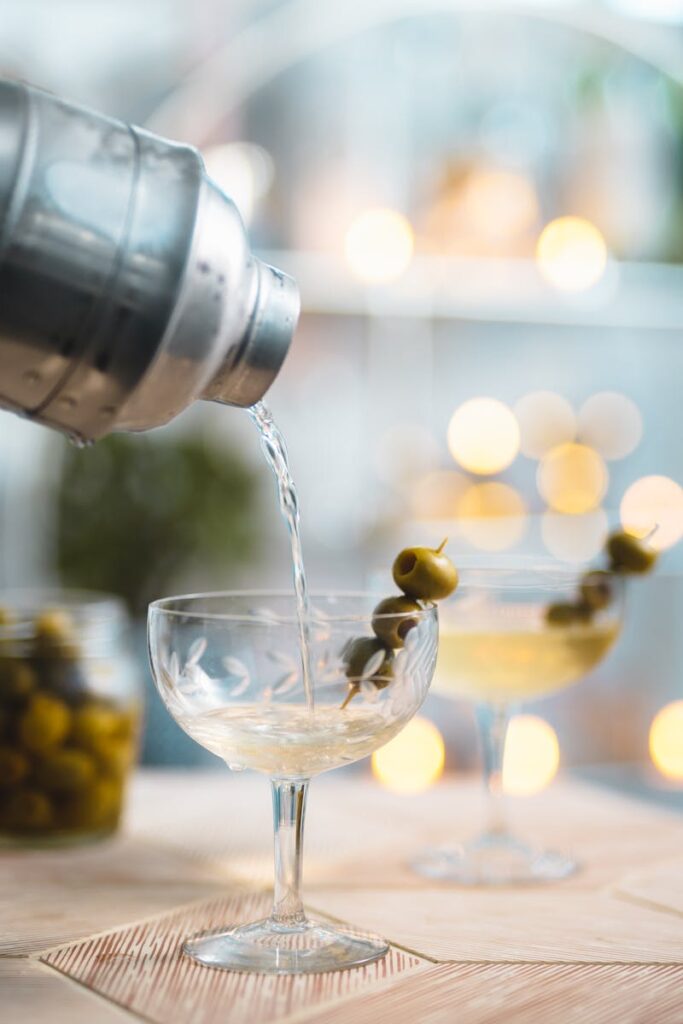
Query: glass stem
(289, 808)
(493, 720)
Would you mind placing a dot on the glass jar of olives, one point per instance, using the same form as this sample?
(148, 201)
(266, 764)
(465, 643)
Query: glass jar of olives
(70, 709)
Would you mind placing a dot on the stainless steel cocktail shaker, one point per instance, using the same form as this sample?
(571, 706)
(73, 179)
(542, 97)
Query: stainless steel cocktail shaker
(127, 288)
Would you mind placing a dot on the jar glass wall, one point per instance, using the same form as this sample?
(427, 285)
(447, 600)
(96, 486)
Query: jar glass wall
(70, 710)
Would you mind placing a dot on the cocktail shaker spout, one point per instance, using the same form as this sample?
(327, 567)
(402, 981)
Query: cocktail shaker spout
(127, 286)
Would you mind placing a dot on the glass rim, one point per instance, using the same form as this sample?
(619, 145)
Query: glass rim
(512, 576)
(90, 610)
(161, 606)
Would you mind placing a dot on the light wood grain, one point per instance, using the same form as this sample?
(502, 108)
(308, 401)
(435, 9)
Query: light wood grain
(32, 993)
(143, 969)
(50, 896)
(659, 887)
(358, 834)
(604, 946)
(535, 924)
(519, 994)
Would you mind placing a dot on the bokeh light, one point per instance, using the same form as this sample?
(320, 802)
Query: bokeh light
(413, 760)
(654, 501)
(571, 254)
(572, 478)
(404, 451)
(575, 538)
(483, 436)
(498, 204)
(532, 755)
(611, 423)
(492, 516)
(666, 740)
(436, 495)
(546, 420)
(379, 245)
(481, 211)
(243, 171)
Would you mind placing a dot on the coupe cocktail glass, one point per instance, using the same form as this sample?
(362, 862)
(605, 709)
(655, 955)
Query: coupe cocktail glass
(228, 667)
(497, 648)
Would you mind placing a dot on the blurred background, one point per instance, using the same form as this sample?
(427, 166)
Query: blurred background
(483, 206)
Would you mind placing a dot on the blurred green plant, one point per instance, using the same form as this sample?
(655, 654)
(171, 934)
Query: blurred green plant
(136, 513)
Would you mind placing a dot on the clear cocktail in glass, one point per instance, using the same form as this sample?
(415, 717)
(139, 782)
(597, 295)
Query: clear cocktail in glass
(229, 669)
(497, 648)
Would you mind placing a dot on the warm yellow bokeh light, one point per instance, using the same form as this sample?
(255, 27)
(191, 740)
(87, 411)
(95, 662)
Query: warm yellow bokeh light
(492, 516)
(532, 755)
(483, 436)
(436, 495)
(545, 421)
(654, 501)
(481, 210)
(498, 204)
(666, 740)
(379, 245)
(413, 760)
(575, 538)
(571, 254)
(611, 423)
(572, 478)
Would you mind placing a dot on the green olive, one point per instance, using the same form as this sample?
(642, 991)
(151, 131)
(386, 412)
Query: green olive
(17, 680)
(627, 554)
(44, 724)
(393, 619)
(128, 721)
(115, 756)
(28, 809)
(362, 661)
(65, 771)
(566, 614)
(597, 589)
(97, 806)
(55, 634)
(367, 660)
(425, 574)
(92, 725)
(14, 767)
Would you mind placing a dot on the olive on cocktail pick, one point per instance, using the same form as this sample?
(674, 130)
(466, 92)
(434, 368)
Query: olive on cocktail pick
(597, 588)
(628, 554)
(425, 574)
(566, 613)
(367, 659)
(392, 619)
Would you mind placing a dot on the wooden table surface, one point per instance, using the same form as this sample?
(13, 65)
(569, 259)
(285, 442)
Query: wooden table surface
(92, 935)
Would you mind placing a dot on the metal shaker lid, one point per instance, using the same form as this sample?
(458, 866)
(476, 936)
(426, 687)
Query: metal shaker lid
(251, 366)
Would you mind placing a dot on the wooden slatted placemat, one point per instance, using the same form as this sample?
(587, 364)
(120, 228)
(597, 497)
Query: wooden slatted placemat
(603, 947)
(143, 969)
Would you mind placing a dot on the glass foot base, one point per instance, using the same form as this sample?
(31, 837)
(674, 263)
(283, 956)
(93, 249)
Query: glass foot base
(266, 948)
(493, 860)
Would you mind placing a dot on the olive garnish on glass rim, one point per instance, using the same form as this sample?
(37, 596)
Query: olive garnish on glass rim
(423, 574)
(627, 556)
